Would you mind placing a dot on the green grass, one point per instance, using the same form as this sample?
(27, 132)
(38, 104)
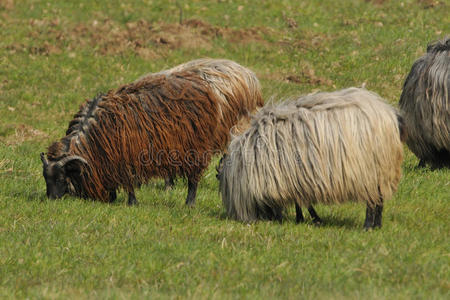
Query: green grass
(79, 248)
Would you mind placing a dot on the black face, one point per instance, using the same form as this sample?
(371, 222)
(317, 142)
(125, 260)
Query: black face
(55, 180)
(219, 167)
(63, 176)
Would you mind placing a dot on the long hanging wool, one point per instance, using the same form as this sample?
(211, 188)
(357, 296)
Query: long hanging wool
(321, 148)
(158, 126)
(426, 106)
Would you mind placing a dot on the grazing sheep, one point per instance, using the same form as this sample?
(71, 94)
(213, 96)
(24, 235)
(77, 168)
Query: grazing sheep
(426, 107)
(322, 148)
(236, 87)
(161, 126)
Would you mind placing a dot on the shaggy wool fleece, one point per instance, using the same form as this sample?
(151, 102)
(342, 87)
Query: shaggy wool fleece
(320, 148)
(426, 107)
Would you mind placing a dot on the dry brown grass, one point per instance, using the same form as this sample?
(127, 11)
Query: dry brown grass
(146, 39)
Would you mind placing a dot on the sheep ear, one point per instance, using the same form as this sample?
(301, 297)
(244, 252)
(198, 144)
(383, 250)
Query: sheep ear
(72, 163)
(44, 160)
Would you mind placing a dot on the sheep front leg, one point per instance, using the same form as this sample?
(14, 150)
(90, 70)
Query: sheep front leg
(298, 214)
(314, 215)
(192, 191)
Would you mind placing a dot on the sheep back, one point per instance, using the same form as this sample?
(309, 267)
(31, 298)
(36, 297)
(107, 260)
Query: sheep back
(237, 87)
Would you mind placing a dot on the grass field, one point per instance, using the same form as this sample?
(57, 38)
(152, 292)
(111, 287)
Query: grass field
(55, 54)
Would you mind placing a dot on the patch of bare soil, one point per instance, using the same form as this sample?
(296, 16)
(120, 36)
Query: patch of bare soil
(6, 4)
(307, 40)
(19, 133)
(308, 76)
(430, 3)
(378, 2)
(148, 40)
(290, 22)
(152, 40)
(425, 3)
(44, 49)
(243, 36)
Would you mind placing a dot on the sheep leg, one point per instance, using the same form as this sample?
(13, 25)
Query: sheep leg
(370, 215)
(112, 196)
(378, 211)
(378, 215)
(192, 191)
(168, 183)
(132, 199)
(298, 214)
(314, 215)
(422, 164)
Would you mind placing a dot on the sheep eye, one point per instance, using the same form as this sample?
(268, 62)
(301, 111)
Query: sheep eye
(60, 179)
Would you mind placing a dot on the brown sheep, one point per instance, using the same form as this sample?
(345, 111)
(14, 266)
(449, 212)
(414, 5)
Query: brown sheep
(160, 126)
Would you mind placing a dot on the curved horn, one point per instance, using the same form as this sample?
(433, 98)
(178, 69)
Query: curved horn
(65, 160)
(44, 159)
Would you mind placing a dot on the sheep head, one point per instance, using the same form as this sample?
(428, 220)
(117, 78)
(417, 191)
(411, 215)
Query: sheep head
(63, 176)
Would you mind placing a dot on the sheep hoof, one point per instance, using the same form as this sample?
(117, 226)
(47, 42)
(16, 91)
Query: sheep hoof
(317, 222)
(422, 164)
(190, 204)
(372, 227)
(135, 203)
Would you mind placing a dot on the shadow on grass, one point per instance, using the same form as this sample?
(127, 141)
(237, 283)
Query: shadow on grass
(221, 216)
(327, 221)
(332, 221)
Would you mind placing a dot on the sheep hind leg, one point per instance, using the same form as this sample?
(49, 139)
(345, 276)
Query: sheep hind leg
(315, 217)
(192, 192)
(298, 214)
(132, 199)
(370, 216)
